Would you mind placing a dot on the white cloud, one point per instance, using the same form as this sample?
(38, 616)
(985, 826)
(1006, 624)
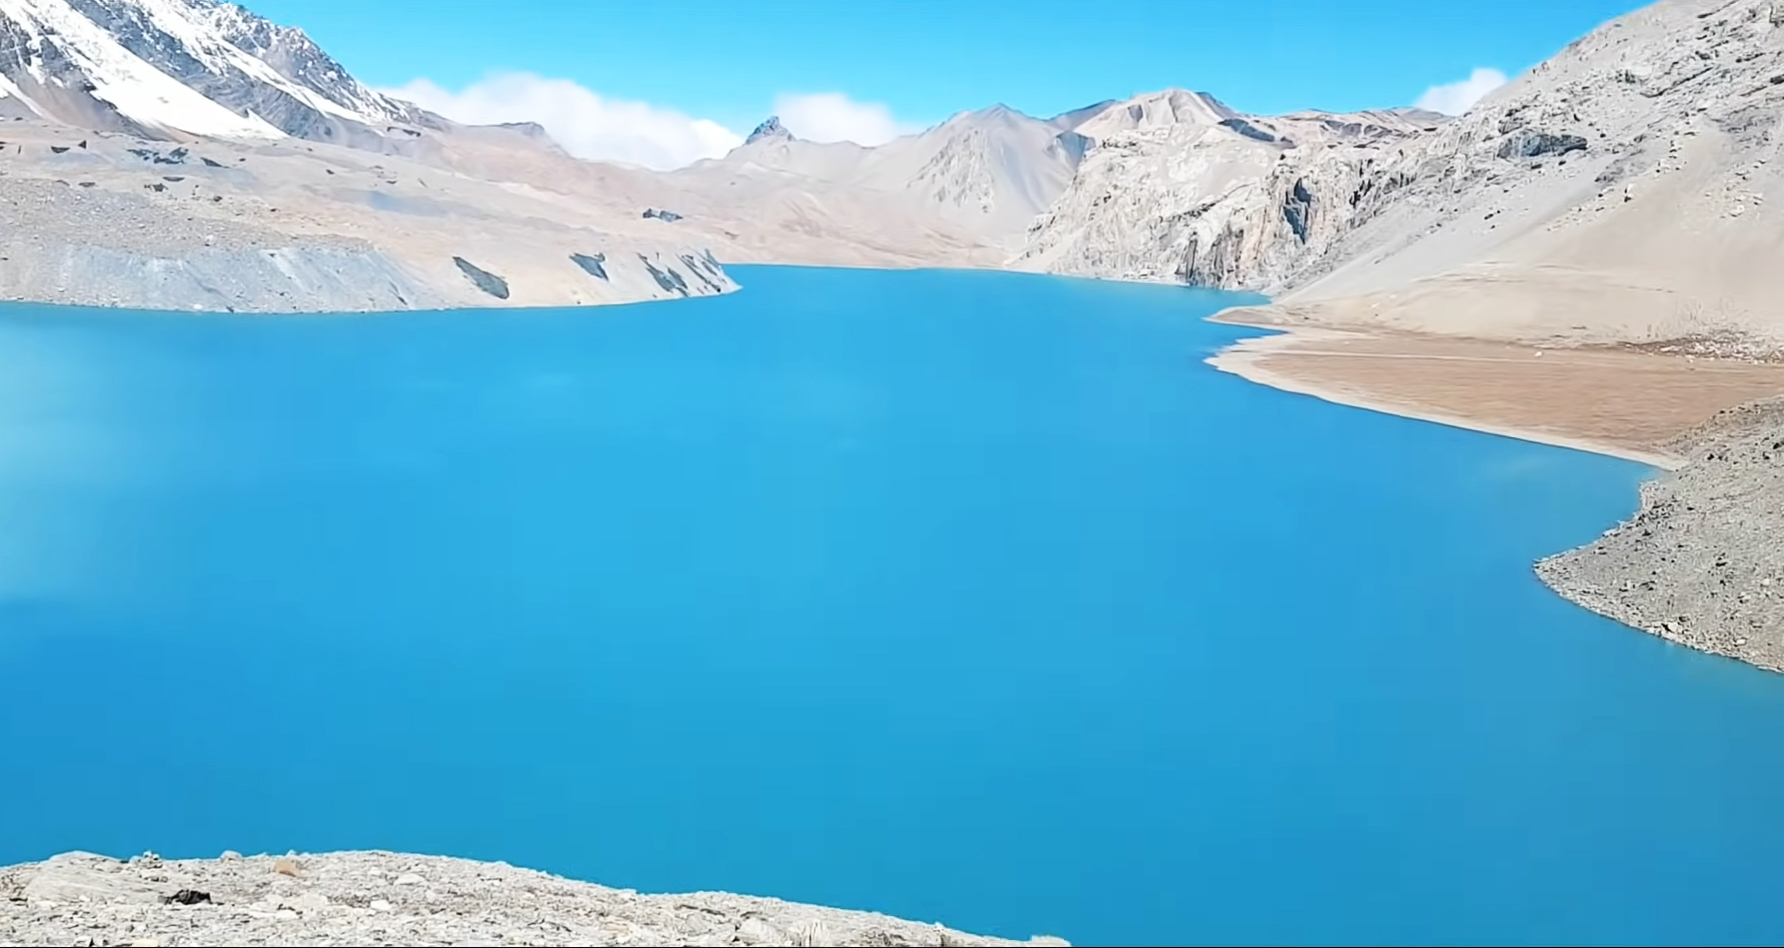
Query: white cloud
(586, 123)
(1457, 97)
(834, 117)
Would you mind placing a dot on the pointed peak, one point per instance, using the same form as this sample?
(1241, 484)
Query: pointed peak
(1004, 113)
(975, 118)
(772, 128)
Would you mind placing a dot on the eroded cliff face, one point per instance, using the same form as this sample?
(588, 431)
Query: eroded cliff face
(1209, 197)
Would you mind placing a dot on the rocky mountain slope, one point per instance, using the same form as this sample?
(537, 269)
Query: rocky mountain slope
(1618, 193)
(390, 899)
(254, 173)
(1180, 187)
(109, 219)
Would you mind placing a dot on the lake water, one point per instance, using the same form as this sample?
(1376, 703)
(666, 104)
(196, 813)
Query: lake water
(967, 597)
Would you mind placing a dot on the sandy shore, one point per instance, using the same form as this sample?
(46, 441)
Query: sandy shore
(1698, 563)
(1625, 403)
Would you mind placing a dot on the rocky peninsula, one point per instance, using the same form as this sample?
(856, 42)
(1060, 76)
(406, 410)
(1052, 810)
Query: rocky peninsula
(379, 898)
(1702, 561)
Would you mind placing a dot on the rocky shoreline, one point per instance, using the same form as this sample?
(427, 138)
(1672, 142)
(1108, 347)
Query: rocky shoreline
(379, 898)
(1702, 561)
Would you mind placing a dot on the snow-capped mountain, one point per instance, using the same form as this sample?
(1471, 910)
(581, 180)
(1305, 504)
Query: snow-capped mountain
(182, 68)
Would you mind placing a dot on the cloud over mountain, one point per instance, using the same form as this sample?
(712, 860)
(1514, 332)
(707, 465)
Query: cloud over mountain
(1455, 98)
(834, 117)
(586, 123)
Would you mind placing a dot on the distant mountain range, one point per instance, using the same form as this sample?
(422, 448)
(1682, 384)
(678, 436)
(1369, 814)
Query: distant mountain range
(1346, 217)
(980, 189)
(965, 192)
(989, 171)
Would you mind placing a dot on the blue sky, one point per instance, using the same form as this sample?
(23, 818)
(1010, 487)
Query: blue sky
(731, 63)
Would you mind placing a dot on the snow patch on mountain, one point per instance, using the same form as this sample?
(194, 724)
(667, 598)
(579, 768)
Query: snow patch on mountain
(169, 68)
(199, 33)
(57, 47)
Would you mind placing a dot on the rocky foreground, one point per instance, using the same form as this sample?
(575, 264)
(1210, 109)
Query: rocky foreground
(1702, 562)
(376, 898)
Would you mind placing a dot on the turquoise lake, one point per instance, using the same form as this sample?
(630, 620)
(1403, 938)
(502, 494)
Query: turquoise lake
(965, 597)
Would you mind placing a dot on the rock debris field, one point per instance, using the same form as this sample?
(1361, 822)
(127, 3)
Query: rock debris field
(1702, 562)
(377, 898)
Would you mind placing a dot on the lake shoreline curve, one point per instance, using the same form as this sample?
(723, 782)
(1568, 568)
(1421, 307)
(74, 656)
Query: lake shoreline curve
(1698, 563)
(1248, 359)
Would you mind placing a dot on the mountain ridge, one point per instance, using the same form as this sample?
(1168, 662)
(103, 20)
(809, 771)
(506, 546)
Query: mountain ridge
(1386, 218)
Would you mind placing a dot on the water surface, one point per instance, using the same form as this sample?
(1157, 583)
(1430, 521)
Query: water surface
(960, 596)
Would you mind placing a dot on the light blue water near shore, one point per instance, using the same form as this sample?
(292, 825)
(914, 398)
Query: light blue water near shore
(964, 597)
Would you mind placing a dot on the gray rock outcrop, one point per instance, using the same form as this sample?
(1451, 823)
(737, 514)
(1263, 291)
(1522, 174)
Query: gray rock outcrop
(1181, 188)
(771, 127)
(373, 898)
(1702, 562)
